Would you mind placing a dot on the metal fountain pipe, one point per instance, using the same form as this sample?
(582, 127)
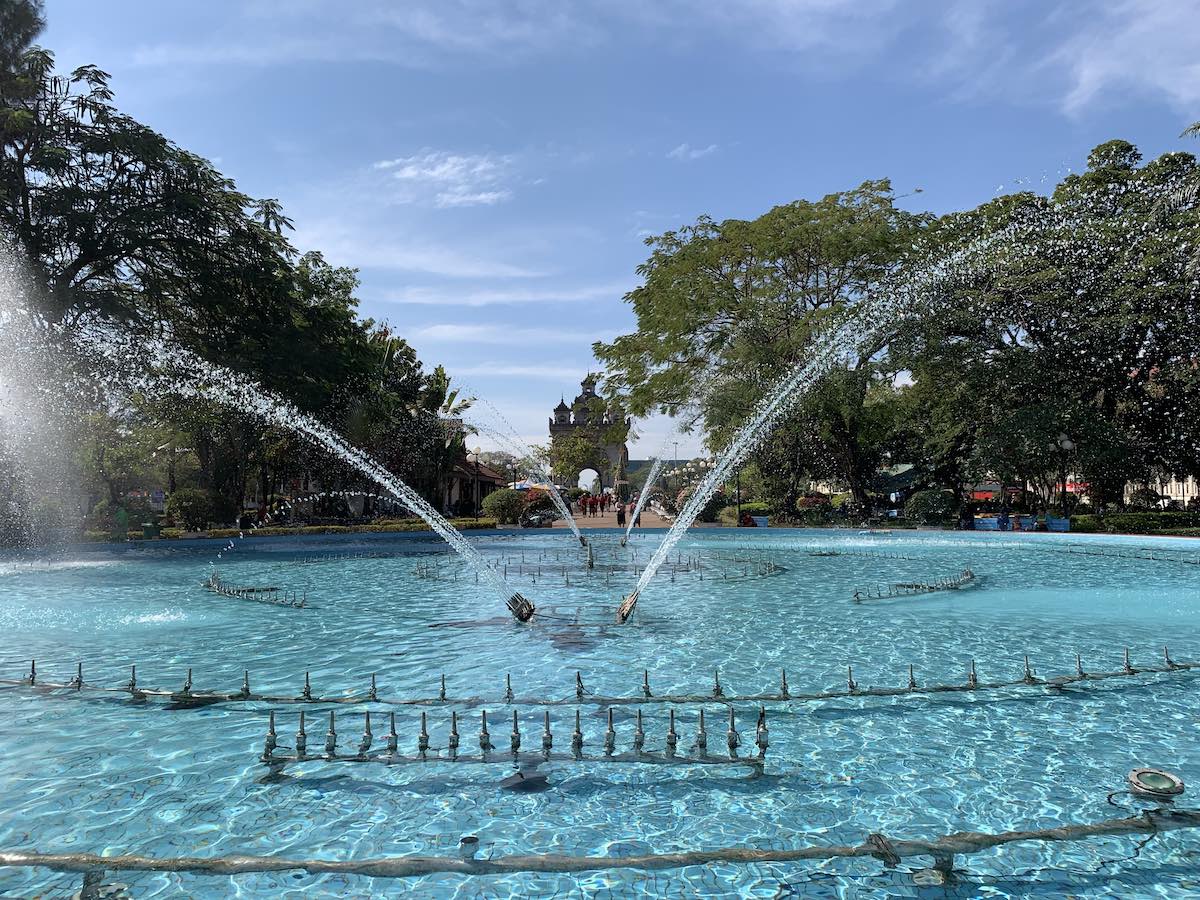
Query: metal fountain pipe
(373, 694)
(331, 738)
(422, 737)
(761, 735)
(271, 741)
(547, 737)
(514, 739)
(306, 694)
(577, 738)
(732, 738)
(639, 735)
(452, 741)
(701, 735)
(485, 739)
(393, 739)
(301, 739)
(610, 736)
(672, 737)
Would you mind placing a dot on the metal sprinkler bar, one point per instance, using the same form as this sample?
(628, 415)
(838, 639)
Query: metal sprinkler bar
(257, 594)
(581, 695)
(913, 588)
(695, 754)
(943, 851)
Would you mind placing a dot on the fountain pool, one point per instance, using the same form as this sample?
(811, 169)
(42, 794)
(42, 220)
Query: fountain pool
(94, 771)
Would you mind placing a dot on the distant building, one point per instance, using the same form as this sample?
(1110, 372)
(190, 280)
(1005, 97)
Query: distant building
(602, 424)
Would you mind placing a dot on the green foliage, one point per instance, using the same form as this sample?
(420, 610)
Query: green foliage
(930, 507)
(538, 501)
(504, 505)
(191, 507)
(1160, 522)
(712, 509)
(575, 451)
(726, 307)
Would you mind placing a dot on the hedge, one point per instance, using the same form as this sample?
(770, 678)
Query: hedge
(278, 531)
(1156, 522)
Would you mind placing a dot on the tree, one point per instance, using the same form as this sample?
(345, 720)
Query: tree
(574, 451)
(1084, 327)
(504, 505)
(20, 22)
(726, 308)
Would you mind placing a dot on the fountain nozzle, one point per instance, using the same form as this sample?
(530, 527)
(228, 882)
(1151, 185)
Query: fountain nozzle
(625, 610)
(520, 607)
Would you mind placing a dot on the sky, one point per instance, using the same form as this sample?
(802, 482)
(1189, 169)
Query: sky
(493, 168)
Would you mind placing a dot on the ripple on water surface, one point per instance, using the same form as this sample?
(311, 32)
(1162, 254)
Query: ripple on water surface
(93, 772)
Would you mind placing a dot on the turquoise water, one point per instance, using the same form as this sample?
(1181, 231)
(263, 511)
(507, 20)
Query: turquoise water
(93, 772)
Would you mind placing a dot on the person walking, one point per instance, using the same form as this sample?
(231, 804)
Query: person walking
(621, 515)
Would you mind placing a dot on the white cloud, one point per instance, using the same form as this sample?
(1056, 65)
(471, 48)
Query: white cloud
(505, 334)
(687, 151)
(441, 296)
(1149, 46)
(449, 179)
(365, 248)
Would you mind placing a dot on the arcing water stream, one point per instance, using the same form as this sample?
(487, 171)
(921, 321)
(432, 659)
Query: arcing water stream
(872, 317)
(513, 446)
(656, 468)
(183, 374)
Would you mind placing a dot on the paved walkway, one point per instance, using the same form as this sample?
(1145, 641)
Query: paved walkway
(609, 520)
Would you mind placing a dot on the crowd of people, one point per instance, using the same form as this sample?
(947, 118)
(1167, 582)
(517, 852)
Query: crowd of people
(595, 505)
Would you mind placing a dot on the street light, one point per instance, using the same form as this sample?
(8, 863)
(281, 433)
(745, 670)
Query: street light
(473, 457)
(1066, 445)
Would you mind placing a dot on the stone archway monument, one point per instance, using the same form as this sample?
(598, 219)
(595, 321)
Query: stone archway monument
(590, 434)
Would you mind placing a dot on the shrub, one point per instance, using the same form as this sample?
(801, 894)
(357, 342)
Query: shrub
(1137, 522)
(815, 516)
(191, 507)
(1145, 499)
(809, 501)
(504, 505)
(711, 509)
(537, 501)
(930, 507)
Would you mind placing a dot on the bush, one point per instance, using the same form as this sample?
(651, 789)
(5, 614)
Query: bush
(504, 505)
(711, 510)
(1137, 522)
(815, 516)
(930, 507)
(1145, 499)
(191, 507)
(537, 501)
(749, 508)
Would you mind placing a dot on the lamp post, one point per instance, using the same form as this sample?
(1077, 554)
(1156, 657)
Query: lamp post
(1066, 445)
(473, 458)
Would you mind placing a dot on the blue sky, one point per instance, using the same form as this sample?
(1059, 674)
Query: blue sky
(493, 167)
